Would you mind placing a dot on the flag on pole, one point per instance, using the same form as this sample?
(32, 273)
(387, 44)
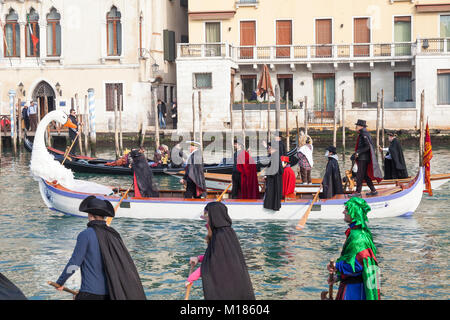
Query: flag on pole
(34, 39)
(427, 155)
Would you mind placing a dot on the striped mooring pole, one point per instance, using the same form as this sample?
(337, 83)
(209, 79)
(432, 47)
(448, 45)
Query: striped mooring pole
(93, 137)
(12, 94)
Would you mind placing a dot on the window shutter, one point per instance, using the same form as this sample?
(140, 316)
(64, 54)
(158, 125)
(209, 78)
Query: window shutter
(169, 45)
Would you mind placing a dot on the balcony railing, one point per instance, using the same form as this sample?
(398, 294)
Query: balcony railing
(316, 52)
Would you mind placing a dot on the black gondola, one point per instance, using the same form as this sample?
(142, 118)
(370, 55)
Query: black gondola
(84, 164)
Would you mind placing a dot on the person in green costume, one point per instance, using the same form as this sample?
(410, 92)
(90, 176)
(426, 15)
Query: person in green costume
(357, 268)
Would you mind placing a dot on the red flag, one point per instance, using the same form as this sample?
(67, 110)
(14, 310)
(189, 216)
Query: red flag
(427, 155)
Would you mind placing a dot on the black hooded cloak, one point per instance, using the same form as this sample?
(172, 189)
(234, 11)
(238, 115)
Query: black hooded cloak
(9, 291)
(122, 276)
(395, 168)
(331, 183)
(274, 183)
(143, 175)
(224, 271)
(195, 172)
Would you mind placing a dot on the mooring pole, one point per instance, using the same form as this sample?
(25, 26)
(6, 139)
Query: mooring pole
(93, 136)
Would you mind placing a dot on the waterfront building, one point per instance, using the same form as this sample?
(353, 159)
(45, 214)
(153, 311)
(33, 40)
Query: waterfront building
(337, 54)
(54, 51)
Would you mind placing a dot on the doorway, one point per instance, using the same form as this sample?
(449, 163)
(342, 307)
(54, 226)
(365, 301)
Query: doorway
(45, 97)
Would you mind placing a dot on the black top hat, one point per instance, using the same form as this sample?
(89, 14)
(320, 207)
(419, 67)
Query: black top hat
(361, 123)
(97, 207)
(332, 149)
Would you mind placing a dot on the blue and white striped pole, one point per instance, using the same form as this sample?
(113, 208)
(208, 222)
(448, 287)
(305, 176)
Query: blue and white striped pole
(12, 94)
(93, 137)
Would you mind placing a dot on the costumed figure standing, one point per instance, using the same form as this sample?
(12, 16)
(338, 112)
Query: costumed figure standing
(244, 175)
(274, 180)
(144, 185)
(305, 156)
(366, 160)
(331, 182)
(107, 269)
(194, 176)
(73, 133)
(357, 268)
(223, 269)
(394, 161)
(288, 178)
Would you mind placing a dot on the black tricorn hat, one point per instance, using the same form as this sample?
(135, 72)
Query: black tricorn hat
(361, 123)
(332, 149)
(97, 207)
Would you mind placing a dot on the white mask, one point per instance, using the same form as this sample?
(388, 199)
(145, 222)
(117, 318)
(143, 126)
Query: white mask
(327, 154)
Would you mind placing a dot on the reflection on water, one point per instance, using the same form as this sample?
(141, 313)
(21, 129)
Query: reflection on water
(36, 243)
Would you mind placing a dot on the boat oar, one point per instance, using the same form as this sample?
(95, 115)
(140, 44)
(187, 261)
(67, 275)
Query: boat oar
(323, 295)
(54, 284)
(71, 146)
(109, 219)
(301, 223)
(223, 193)
(188, 288)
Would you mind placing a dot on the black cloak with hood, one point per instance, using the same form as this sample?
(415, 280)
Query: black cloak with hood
(194, 170)
(395, 168)
(122, 276)
(274, 183)
(143, 175)
(9, 291)
(331, 183)
(224, 271)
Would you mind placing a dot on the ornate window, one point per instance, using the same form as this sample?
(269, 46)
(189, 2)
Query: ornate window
(53, 33)
(12, 35)
(114, 32)
(32, 34)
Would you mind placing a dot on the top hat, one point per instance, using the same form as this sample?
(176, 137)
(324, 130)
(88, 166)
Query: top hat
(97, 207)
(361, 123)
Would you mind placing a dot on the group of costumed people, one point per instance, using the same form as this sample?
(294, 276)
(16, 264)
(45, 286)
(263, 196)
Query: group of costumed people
(109, 273)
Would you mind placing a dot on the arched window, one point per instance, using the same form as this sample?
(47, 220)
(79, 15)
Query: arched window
(53, 33)
(32, 34)
(12, 35)
(114, 32)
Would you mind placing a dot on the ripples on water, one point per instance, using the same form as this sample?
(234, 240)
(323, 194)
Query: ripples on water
(36, 243)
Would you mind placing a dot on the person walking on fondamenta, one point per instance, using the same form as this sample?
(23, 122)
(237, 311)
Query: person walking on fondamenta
(357, 267)
(366, 160)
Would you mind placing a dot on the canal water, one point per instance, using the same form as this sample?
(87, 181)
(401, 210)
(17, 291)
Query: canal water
(36, 243)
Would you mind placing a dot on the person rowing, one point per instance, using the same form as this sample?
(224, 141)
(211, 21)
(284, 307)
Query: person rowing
(223, 269)
(107, 269)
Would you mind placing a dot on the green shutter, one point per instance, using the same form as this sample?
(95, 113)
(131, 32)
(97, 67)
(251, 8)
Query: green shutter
(169, 45)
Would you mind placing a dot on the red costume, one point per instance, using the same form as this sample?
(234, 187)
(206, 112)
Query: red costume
(249, 188)
(288, 179)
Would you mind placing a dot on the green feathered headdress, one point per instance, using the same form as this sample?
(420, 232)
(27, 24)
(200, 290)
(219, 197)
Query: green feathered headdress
(358, 208)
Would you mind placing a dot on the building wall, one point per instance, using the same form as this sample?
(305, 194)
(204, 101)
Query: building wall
(84, 62)
(304, 14)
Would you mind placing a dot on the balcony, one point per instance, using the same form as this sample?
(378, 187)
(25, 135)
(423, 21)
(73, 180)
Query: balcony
(433, 46)
(330, 53)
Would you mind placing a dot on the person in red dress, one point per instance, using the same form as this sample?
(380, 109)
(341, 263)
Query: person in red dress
(288, 179)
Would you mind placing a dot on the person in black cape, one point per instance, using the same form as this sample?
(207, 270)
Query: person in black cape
(107, 269)
(331, 182)
(394, 160)
(366, 160)
(194, 177)
(223, 269)
(9, 291)
(274, 179)
(144, 185)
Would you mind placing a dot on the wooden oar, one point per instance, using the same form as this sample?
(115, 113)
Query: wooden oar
(301, 223)
(68, 152)
(54, 284)
(109, 219)
(223, 193)
(188, 288)
(323, 295)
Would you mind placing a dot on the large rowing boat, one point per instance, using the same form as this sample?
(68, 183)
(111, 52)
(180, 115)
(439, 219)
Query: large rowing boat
(390, 202)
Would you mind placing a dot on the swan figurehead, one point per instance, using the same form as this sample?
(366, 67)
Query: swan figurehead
(43, 165)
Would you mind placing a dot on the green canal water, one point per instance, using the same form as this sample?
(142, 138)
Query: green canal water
(36, 243)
